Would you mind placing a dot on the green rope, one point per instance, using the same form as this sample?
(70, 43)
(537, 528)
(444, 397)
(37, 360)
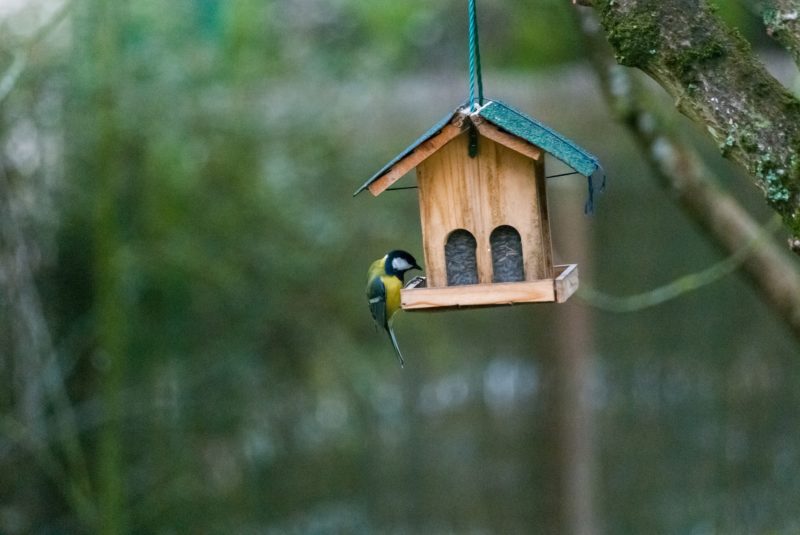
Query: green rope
(475, 80)
(680, 286)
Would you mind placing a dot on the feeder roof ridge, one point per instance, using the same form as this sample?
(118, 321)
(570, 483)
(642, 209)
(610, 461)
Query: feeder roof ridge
(515, 123)
(518, 124)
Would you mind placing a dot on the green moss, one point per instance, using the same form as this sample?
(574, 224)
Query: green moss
(792, 220)
(794, 163)
(742, 45)
(763, 88)
(636, 38)
(730, 142)
(788, 101)
(774, 20)
(748, 141)
(685, 62)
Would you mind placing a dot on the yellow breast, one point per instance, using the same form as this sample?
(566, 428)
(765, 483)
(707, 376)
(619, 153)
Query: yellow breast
(393, 286)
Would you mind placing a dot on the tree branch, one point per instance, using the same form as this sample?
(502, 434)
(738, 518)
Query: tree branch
(782, 19)
(681, 171)
(717, 82)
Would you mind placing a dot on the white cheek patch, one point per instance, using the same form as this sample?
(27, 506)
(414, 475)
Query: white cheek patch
(400, 264)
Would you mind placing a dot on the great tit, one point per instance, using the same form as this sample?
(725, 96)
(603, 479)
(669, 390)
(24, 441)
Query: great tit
(384, 281)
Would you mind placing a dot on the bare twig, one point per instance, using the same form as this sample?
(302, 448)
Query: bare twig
(678, 287)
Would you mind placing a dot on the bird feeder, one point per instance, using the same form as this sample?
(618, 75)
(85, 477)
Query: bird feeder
(483, 209)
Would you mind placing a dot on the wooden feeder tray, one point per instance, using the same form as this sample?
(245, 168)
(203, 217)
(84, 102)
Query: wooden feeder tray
(558, 289)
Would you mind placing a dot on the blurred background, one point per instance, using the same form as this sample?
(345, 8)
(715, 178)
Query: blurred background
(185, 345)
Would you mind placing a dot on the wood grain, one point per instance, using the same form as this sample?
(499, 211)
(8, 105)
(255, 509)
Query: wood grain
(423, 151)
(504, 138)
(497, 294)
(566, 282)
(506, 293)
(499, 187)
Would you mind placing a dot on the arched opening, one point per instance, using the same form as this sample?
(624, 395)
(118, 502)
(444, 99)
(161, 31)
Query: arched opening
(507, 265)
(459, 254)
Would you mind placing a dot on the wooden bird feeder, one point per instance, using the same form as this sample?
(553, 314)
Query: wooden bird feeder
(483, 207)
(483, 204)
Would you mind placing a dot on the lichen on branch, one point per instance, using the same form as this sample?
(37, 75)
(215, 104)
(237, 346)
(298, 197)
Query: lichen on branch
(782, 20)
(718, 82)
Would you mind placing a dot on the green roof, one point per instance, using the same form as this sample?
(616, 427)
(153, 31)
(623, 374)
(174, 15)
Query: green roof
(520, 125)
(541, 135)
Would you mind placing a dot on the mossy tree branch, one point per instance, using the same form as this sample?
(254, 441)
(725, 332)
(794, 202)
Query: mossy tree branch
(717, 82)
(694, 187)
(782, 19)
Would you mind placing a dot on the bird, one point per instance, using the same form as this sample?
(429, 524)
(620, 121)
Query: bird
(384, 281)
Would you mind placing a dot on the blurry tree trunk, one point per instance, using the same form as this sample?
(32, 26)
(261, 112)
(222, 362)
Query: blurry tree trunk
(574, 350)
(21, 356)
(28, 335)
(38, 381)
(718, 82)
(109, 301)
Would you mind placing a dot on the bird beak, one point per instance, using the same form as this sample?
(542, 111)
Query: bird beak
(416, 267)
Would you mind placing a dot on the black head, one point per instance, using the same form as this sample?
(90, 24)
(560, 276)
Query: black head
(398, 262)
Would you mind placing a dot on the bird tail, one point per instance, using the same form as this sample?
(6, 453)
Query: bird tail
(394, 344)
